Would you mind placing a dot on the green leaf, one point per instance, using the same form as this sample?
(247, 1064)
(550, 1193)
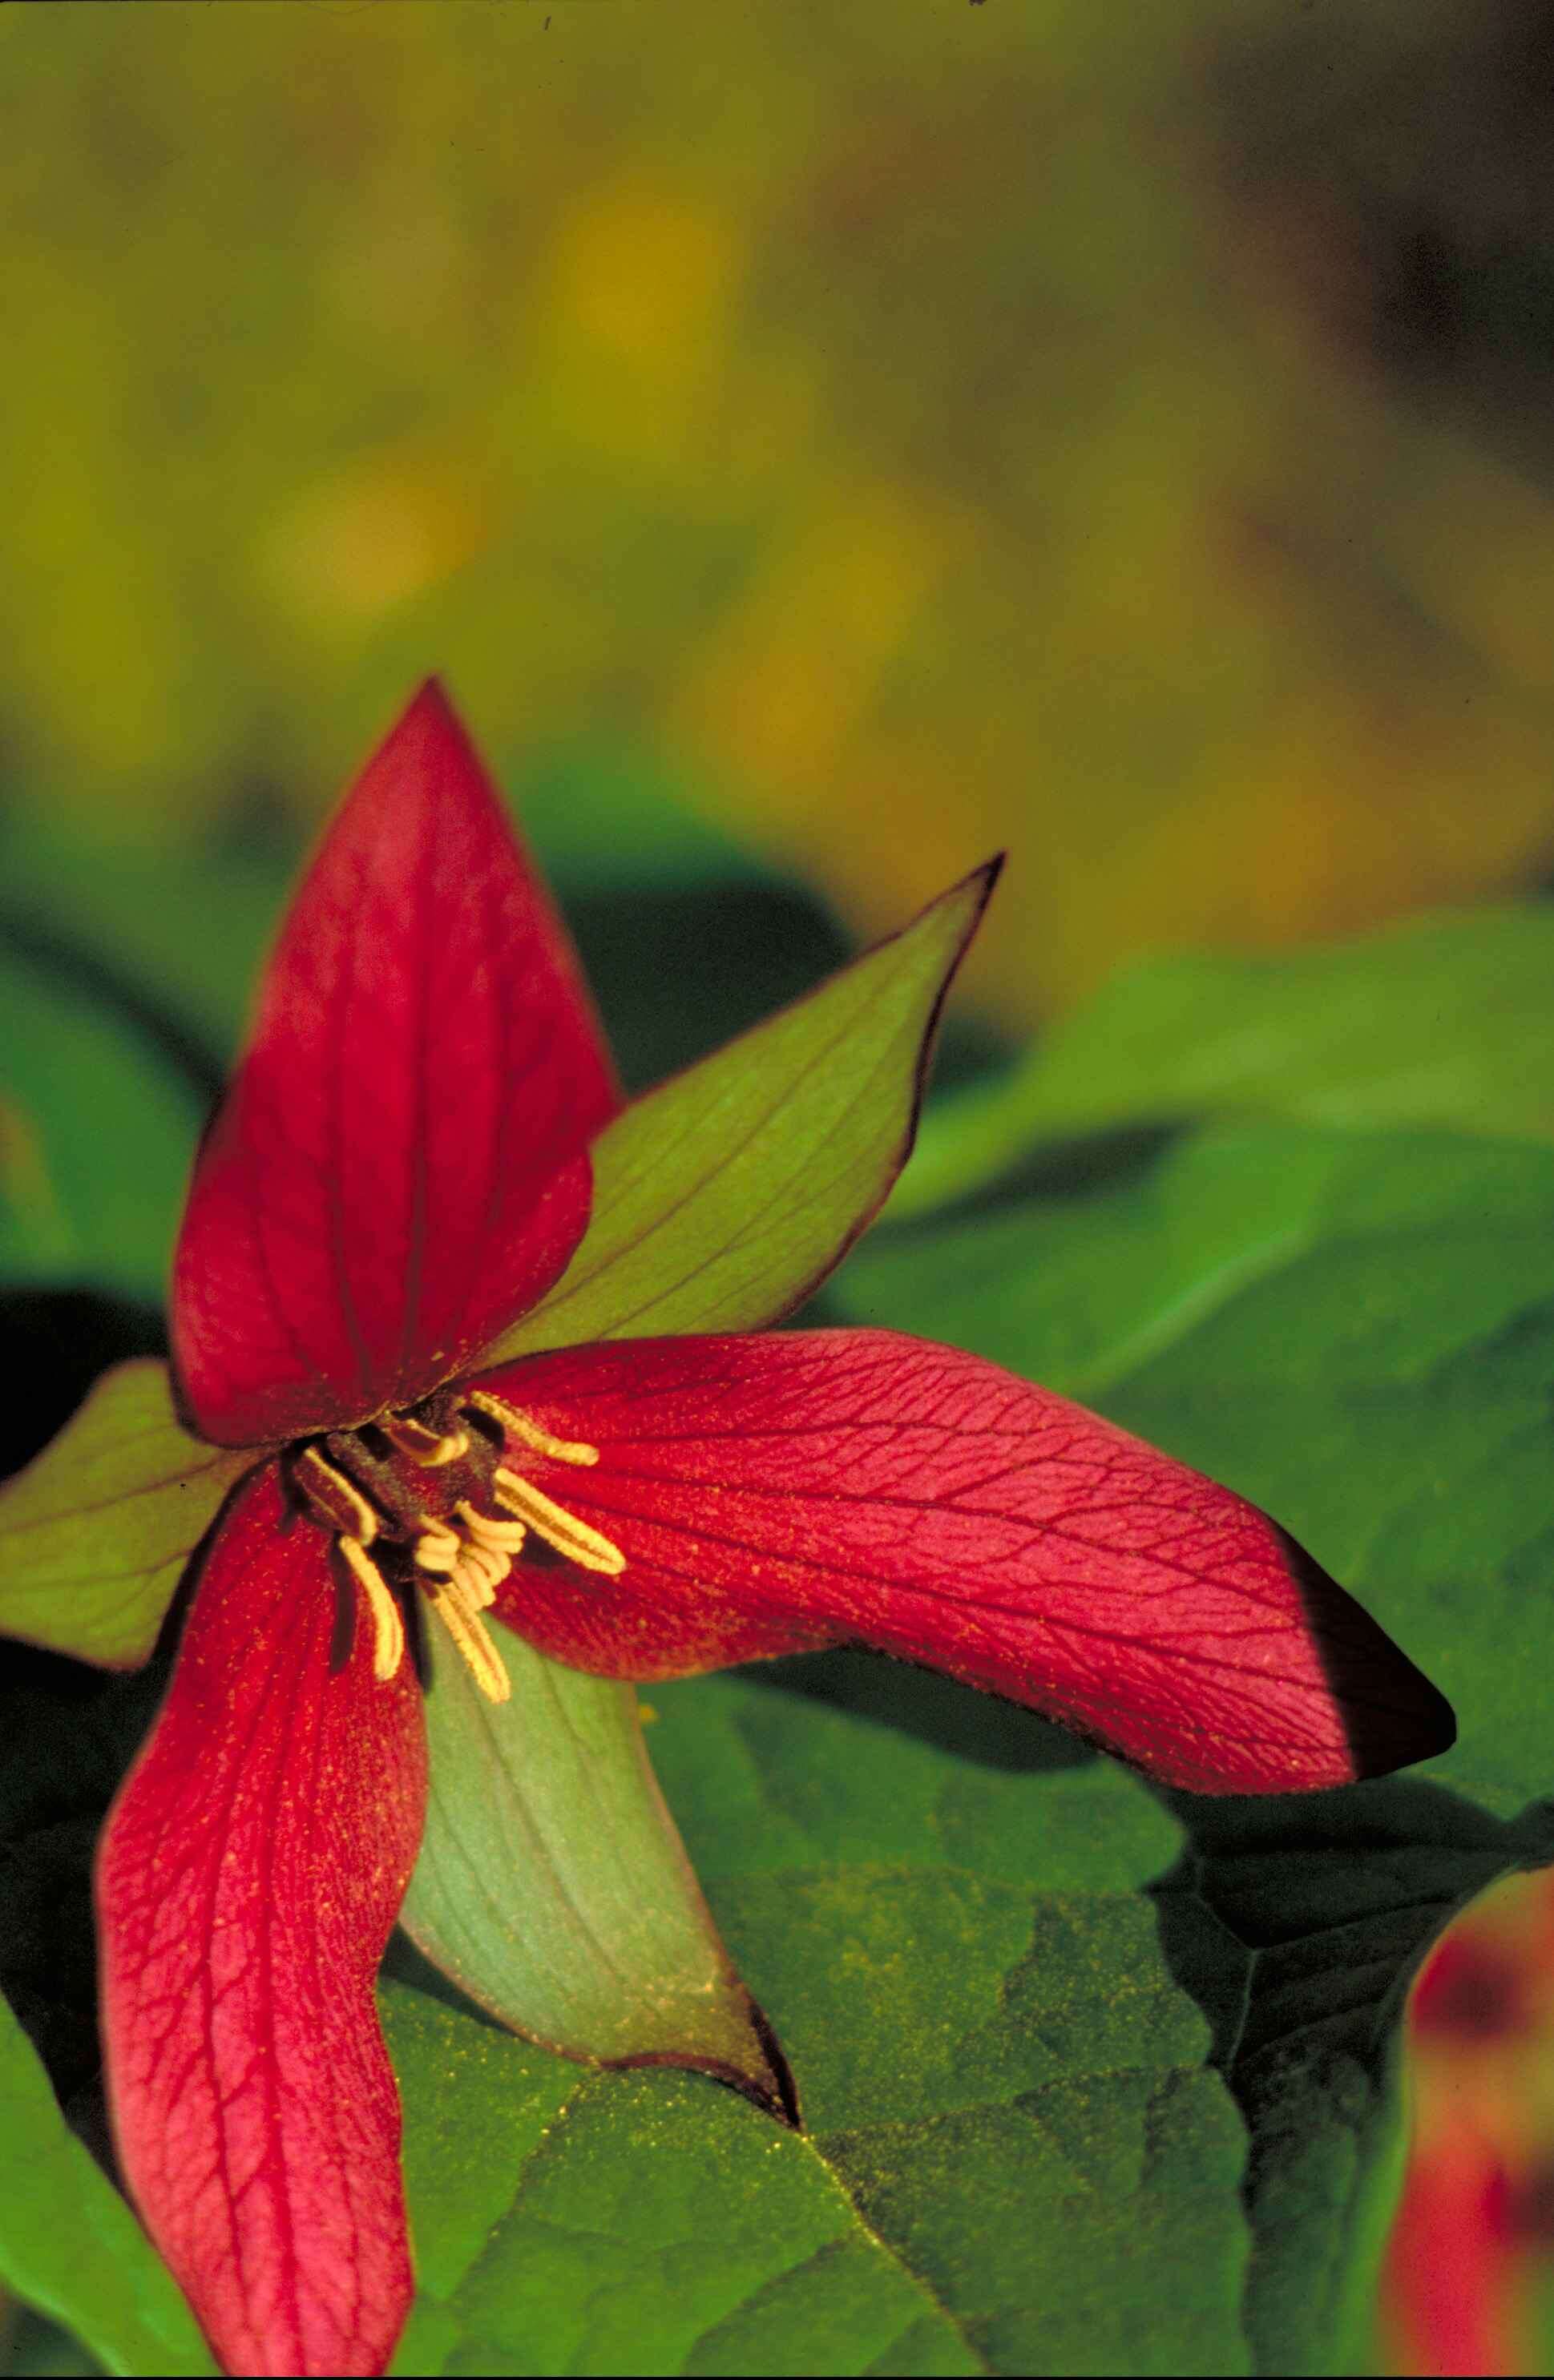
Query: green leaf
(96, 1129)
(723, 1197)
(1444, 1020)
(1113, 2074)
(569, 2222)
(69, 2243)
(1018, 2161)
(95, 1533)
(1357, 1331)
(552, 1886)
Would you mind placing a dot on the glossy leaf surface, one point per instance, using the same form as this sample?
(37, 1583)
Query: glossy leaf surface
(69, 2243)
(94, 1534)
(395, 1170)
(723, 1197)
(247, 1882)
(552, 1886)
(862, 1485)
(1437, 1021)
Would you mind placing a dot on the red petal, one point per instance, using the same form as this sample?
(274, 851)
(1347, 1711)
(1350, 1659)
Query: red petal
(1453, 2261)
(856, 1484)
(394, 1173)
(248, 1876)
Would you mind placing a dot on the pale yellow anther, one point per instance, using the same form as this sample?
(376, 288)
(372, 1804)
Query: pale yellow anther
(505, 1536)
(342, 1507)
(438, 1547)
(469, 1634)
(518, 1424)
(480, 1574)
(388, 1636)
(428, 1448)
(562, 1529)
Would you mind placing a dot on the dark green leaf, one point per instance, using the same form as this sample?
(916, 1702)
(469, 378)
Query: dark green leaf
(1443, 1020)
(1019, 2159)
(608, 2223)
(1357, 1331)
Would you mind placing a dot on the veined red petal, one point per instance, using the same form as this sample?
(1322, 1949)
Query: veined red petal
(248, 1879)
(396, 1171)
(835, 1484)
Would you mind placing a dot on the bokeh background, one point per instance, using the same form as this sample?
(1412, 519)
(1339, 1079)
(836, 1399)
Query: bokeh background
(820, 445)
(1124, 435)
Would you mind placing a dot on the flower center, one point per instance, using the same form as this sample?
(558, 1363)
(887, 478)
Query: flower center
(433, 1492)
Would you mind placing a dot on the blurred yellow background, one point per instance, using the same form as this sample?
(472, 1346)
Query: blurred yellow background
(1119, 435)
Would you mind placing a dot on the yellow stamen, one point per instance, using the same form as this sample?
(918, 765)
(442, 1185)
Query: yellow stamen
(440, 1549)
(388, 1647)
(344, 1509)
(429, 1448)
(469, 1634)
(501, 1535)
(562, 1529)
(560, 1450)
(480, 1574)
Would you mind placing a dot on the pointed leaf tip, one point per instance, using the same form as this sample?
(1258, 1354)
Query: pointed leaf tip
(726, 1196)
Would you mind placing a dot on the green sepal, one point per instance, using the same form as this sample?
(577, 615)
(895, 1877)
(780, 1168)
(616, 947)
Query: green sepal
(70, 2244)
(554, 1889)
(1440, 1021)
(727, 1195)
(95, 1533)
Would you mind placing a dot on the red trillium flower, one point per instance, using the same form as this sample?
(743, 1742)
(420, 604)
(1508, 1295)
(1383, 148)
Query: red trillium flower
(456, 1341)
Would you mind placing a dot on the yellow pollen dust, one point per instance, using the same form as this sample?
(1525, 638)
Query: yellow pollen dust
(461, 1562)
(464, 1560)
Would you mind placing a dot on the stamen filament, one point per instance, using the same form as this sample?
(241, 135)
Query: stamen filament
(388, 1646)
(560, 1450)
(469, 1634)
(582, 1544)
